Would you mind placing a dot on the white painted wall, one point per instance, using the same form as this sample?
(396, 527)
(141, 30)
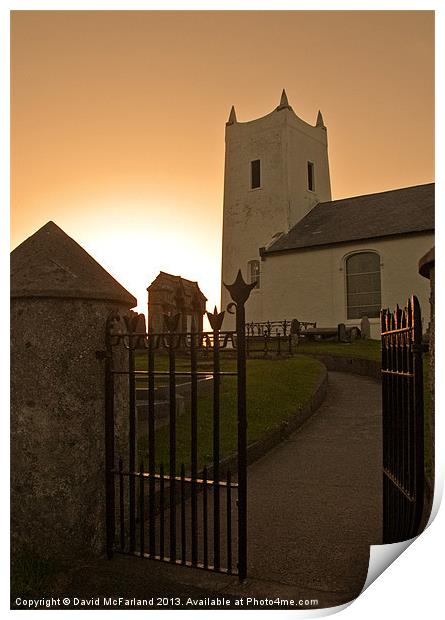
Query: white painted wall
(284, 143)
(310, 285)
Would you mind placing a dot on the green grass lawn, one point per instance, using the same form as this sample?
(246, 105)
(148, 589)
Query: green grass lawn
(362, 349)
(272, 392)
(276, 389)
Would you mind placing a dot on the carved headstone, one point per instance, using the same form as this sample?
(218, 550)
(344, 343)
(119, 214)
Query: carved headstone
(171, 295)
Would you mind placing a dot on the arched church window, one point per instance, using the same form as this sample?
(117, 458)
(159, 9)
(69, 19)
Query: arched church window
(253, 269)
(363, 285)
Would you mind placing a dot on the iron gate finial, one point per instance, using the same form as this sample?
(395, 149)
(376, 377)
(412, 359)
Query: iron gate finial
(240, 290)
(215, 319)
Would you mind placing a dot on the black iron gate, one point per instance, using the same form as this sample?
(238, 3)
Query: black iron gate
(190, 510)
(403, 419)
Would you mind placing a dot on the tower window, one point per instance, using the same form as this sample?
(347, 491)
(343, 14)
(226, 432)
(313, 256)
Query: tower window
(253, 269)
(310, 176)
(363, 285)
(255, 174)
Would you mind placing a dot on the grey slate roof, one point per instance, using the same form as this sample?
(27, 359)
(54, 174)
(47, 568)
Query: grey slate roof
(51, 264)
(396, 212)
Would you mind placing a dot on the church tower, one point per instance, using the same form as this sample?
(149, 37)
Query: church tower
(276, 171)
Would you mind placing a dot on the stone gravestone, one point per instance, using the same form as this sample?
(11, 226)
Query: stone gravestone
(365, 327)
(60, 300)
(295, 330)
(341, 333)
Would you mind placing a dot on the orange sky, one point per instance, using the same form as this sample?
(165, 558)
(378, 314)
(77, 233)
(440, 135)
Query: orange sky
(118, 120)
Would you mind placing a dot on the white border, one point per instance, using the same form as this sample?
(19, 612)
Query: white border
(412, 586)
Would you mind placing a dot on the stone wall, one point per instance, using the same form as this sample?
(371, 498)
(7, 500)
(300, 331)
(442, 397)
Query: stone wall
(57, 426)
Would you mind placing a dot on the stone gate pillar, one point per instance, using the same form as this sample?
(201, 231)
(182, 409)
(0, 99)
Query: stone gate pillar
(60, 300)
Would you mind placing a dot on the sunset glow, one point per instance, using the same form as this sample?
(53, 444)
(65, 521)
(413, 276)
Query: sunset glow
(118, 120)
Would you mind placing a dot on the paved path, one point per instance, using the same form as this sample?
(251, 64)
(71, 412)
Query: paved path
(314, 509)
(315, 500)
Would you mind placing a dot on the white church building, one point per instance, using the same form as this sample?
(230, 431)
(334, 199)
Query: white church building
(314, 258)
